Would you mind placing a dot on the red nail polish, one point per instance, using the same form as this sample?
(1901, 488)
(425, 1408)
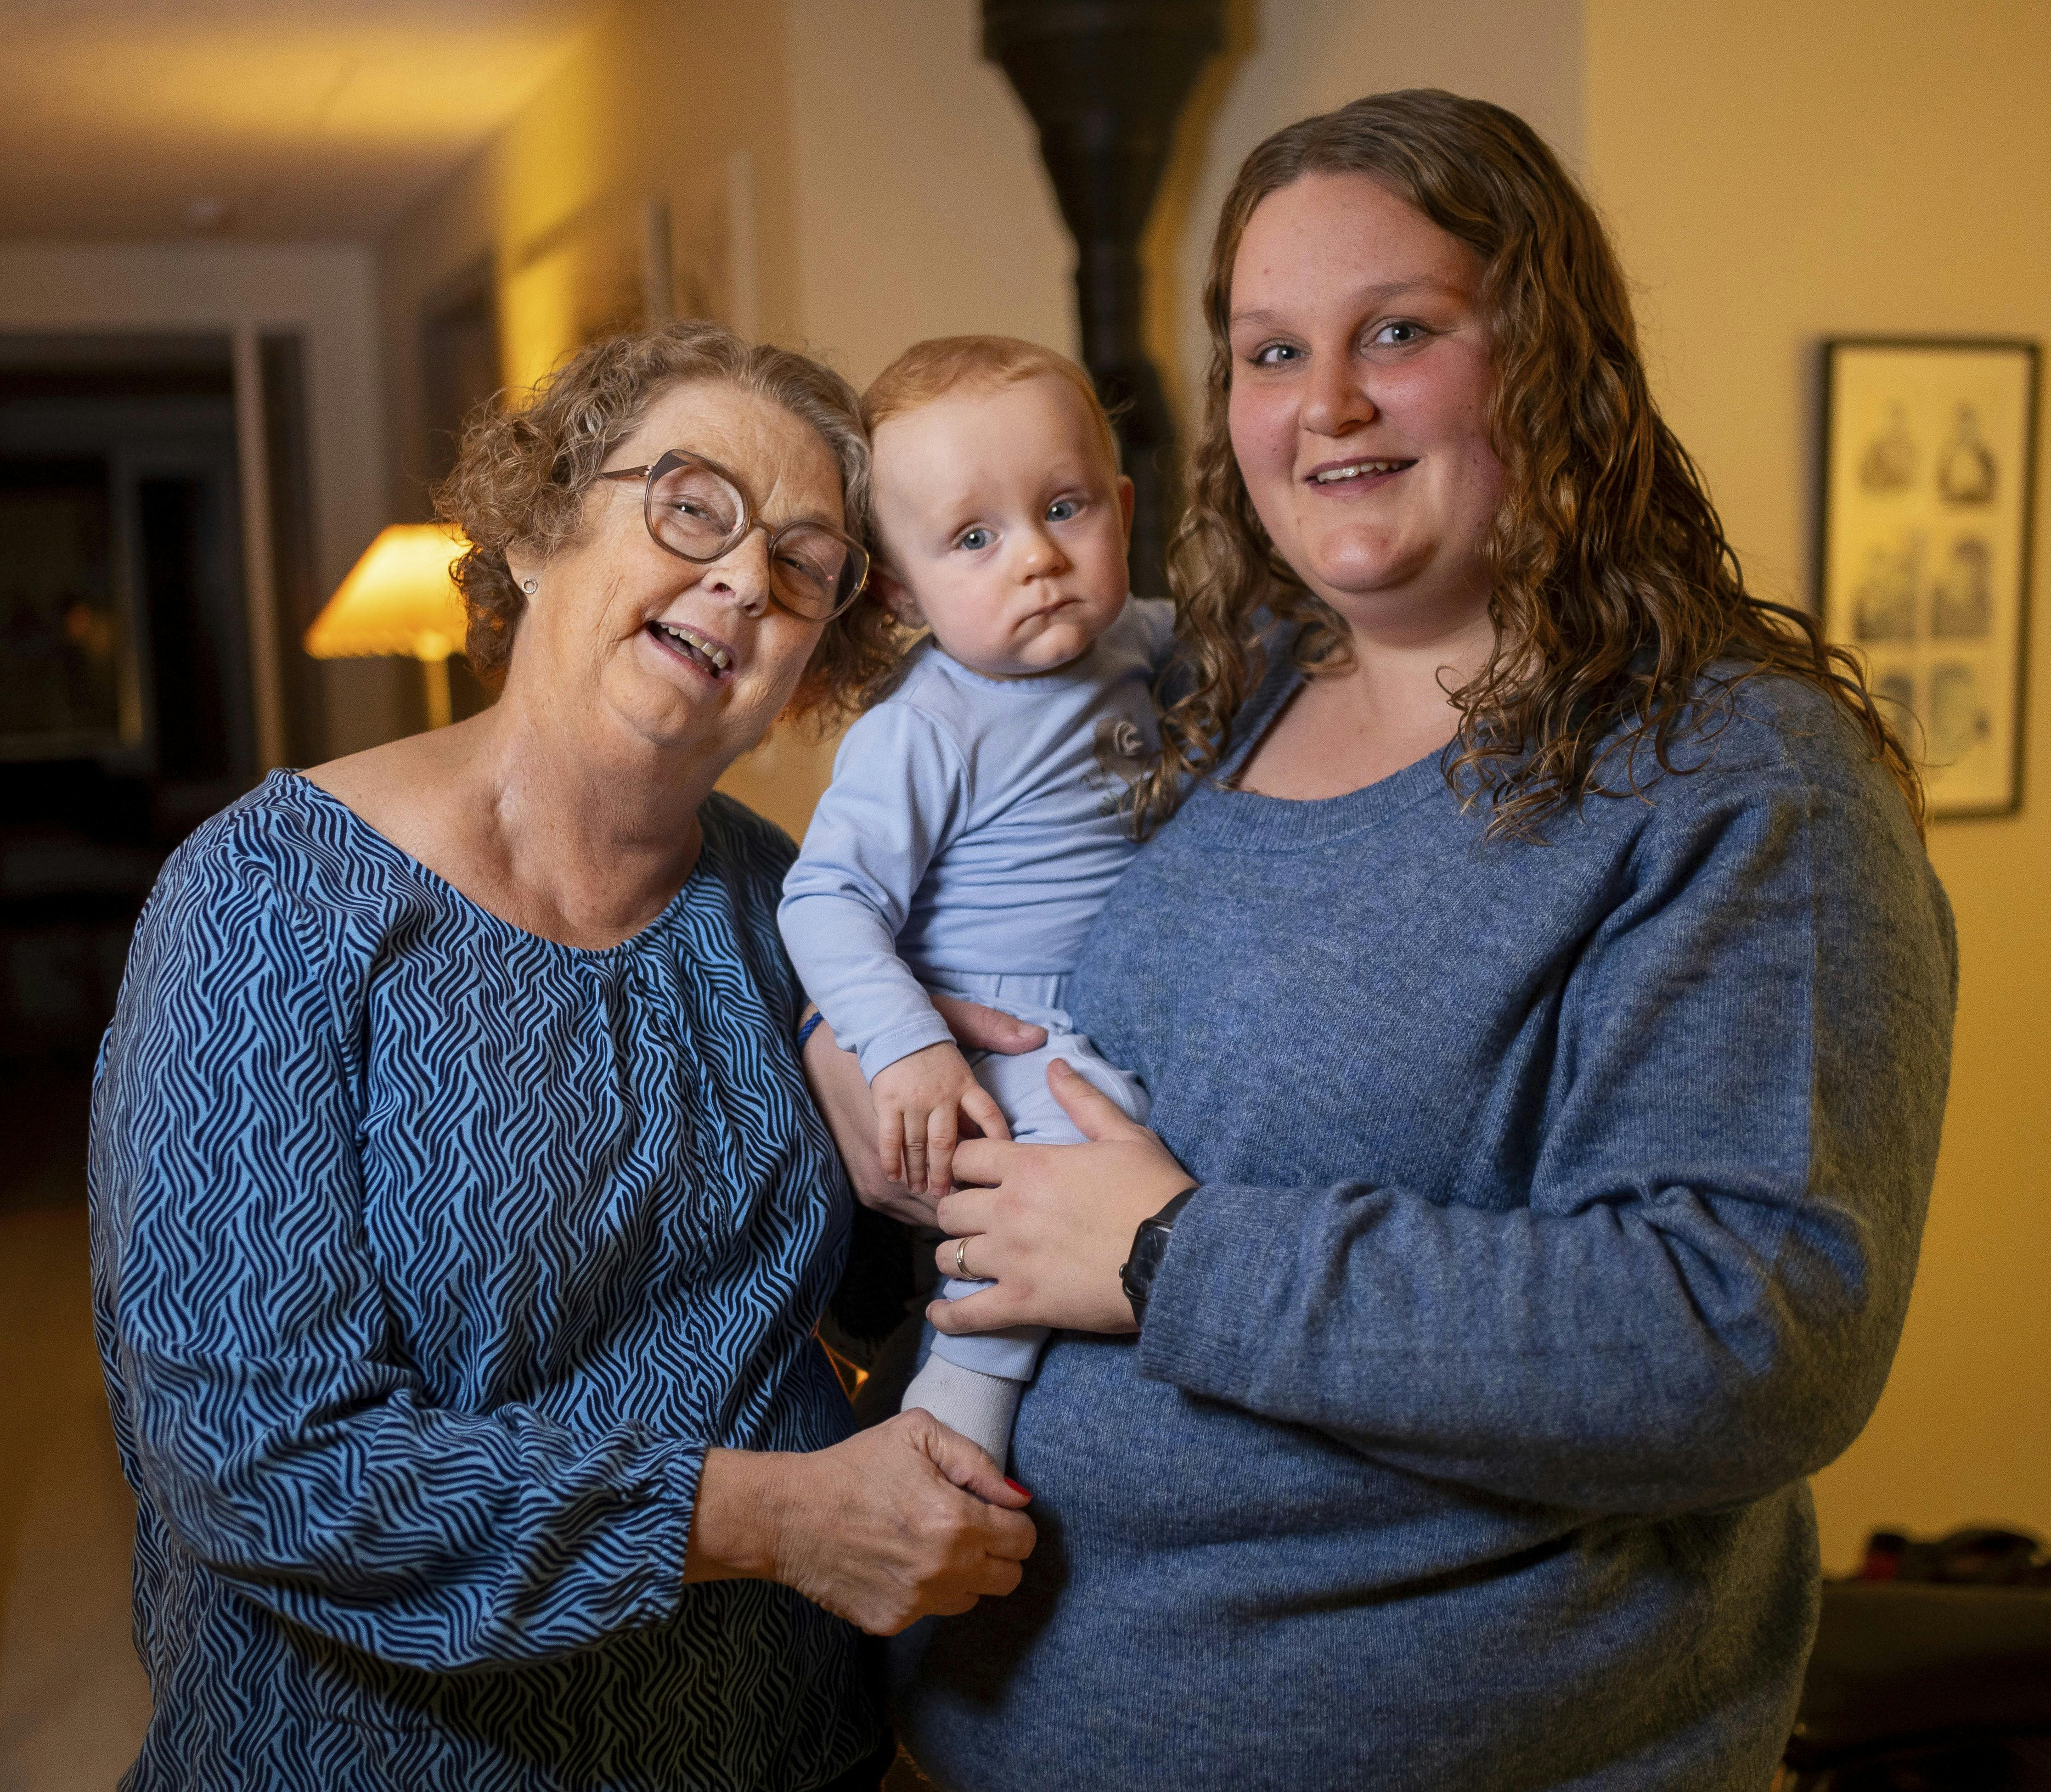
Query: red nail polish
(1014, 1487)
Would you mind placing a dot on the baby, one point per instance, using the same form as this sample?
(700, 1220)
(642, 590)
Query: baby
(974, 824)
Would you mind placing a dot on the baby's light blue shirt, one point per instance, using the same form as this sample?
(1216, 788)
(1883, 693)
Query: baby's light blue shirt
(972, 827)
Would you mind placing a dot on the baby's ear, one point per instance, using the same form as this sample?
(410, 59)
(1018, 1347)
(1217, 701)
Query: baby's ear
(1125, 502)
(896, 597)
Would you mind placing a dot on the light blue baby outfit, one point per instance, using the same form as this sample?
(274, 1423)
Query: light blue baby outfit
(971, 832)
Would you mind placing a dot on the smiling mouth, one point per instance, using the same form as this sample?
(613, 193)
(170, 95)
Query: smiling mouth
(1354, 470)
(708, 655)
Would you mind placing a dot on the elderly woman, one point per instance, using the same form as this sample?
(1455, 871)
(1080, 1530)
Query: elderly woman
(1546, 1000)
(461, 1219)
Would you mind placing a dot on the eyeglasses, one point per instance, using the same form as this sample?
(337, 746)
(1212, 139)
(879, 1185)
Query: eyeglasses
(695, 510)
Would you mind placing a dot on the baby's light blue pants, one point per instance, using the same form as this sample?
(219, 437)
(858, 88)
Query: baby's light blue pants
(1018, 1085)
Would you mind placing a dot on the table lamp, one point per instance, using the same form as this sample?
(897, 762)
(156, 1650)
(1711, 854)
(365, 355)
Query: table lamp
(398, 601)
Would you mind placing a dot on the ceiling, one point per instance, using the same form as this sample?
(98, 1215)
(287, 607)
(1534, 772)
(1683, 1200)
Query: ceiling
(254, 119)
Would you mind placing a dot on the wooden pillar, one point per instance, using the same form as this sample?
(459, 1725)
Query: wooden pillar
(1104, 81)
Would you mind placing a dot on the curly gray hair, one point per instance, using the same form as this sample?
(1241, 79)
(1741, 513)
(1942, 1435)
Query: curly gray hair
(520, 480)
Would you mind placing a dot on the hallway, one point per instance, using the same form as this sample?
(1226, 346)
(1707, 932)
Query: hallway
(73, 1699)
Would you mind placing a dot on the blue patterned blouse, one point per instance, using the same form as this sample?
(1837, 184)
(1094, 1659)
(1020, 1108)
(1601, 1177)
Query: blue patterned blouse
(430, 1256)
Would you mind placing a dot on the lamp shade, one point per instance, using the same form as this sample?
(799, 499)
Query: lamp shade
(398, 599)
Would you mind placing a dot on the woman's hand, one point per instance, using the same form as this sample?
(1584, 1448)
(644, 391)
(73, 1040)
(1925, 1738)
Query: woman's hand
(901, 1521)
(1052, 1223)
(842, 1094)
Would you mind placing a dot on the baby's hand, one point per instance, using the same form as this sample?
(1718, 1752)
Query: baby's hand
(920, 1101)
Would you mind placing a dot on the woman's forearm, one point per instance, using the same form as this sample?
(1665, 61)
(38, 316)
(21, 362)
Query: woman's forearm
(734, 1520)
(331, 1493)
(1639, 1356)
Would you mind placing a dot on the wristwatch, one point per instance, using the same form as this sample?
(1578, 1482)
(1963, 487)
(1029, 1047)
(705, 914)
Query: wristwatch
(1149, 1245)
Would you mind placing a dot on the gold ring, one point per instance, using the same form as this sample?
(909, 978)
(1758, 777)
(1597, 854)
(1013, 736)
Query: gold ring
(961, 1268)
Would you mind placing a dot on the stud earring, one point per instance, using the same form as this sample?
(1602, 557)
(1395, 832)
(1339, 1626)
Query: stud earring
(527, 585)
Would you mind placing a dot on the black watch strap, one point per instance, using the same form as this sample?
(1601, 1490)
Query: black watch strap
(1149, 1245)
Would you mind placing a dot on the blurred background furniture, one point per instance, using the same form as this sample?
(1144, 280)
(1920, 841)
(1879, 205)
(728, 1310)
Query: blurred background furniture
(1931, 1671)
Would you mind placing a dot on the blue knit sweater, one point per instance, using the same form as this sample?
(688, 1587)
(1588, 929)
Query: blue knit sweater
(1560, 1205)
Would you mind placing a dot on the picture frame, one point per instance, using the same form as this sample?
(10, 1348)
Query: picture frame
(627, 259)
(70, 560)
(1923, 548)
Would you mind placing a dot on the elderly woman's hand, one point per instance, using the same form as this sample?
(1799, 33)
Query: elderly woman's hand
(1052, 1223)
(904, 1520)
(842, 1094)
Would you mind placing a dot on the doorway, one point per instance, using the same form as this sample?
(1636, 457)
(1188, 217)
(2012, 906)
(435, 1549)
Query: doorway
(126, 681)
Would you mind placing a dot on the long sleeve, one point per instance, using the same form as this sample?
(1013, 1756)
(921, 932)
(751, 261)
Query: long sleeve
(900, 793)
(1731, 1138)
(258, 1369)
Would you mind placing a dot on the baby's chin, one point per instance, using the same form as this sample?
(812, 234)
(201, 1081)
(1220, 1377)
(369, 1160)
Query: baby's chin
(1058, 645)
(1051, 652)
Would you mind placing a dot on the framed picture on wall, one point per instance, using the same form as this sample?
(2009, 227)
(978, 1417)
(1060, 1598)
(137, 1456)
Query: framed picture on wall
(1929, 456)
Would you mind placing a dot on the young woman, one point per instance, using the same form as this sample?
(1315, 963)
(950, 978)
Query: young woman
(1546, 1002)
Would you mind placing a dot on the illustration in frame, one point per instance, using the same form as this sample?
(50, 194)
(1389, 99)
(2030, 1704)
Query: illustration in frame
(1928, 466)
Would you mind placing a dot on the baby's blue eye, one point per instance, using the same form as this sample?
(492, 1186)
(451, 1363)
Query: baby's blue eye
(974, 539)
(1062, 509)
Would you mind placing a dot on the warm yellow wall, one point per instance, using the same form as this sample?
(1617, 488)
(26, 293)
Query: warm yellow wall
(1776, 173)
(652, 104)
(1294, 57)
(922, 209)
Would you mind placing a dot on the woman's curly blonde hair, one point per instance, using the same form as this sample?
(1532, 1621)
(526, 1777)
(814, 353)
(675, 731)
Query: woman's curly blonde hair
(521, 477)
(1615, 591)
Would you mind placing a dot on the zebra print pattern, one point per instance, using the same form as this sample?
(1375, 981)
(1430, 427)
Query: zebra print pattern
(429, 1258)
